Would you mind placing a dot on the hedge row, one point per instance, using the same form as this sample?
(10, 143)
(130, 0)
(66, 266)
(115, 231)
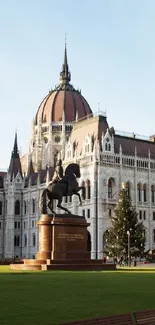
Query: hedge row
(8, 261)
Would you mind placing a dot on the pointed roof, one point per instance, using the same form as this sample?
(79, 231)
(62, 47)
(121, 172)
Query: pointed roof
(65, 75)
(15, 152)
(15, 164)
(134, 146)
(30, 169)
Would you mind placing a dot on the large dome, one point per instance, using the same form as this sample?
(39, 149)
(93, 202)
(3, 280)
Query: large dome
(64, 102)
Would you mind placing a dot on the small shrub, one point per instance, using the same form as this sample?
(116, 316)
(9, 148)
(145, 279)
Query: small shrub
(8, 261)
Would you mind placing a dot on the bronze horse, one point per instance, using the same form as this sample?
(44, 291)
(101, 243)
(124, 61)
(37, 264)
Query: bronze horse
(68, 185)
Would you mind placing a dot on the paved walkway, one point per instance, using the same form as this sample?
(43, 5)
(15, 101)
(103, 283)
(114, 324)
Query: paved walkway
(139, 265)
(147, 265)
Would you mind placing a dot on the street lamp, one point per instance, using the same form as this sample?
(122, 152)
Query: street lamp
(96, 210)
(128, 233)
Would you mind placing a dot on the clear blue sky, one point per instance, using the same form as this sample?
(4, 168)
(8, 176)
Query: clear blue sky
(111, 53)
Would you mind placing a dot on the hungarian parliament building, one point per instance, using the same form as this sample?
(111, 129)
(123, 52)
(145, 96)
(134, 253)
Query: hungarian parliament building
(66, 128)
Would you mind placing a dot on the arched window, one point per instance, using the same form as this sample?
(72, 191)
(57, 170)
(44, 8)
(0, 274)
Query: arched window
(110, 188)
(83, 191)
(25, 207)
(34, 239)
(1, 182)
(25, 240)
(6, 203)
(1, 208)
(107, 145)
(33, 206)
(16, 241)
(139, 197)
(88, 242)
(17, 207)
(144, 192)
(152, 193)
(55, 159)
(127, 187)
(88, 190)
(87, 148)
(154, 235)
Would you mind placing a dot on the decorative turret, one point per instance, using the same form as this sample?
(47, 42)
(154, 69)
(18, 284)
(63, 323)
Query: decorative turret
(65, 75)
(15, 164)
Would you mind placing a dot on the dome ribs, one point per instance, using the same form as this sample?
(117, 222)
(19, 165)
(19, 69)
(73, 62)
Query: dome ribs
(69, 101)
(69, 107)
(64, 102)
(52, 110)
(63, 117)
(39, 108)
(44, 106)
(75, 108)
(88, 110)
(79, 105)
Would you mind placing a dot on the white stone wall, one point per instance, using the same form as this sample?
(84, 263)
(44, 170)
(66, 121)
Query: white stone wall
(98, 173)
(2, 199)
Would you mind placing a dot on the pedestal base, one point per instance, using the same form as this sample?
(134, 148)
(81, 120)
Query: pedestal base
(63, 265)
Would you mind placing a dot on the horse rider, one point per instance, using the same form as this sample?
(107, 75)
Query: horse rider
(58, 175)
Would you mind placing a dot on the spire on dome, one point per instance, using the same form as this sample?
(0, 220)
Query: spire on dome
(65, 75)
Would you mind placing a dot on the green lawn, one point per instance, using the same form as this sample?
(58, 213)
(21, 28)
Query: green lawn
(42, 298)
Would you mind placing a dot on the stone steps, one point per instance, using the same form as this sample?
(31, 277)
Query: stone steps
(78, 267)
(34, 262)
(64, 265)
(73, 261)
(25, 267)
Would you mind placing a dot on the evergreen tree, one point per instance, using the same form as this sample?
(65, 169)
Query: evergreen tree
(125, 227)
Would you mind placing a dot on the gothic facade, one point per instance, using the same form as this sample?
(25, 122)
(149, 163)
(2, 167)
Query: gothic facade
(65, 127)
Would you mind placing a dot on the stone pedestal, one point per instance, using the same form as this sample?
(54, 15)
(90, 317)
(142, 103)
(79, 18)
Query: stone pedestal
(69, 238)
(45, 237)
(63, 246)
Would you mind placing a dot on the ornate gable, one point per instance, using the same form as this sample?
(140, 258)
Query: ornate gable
(69, 150)
(107, 142)
(18, 179)
(88, 144)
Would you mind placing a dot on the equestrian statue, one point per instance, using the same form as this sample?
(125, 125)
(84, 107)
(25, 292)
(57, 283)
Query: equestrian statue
(61, 185)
